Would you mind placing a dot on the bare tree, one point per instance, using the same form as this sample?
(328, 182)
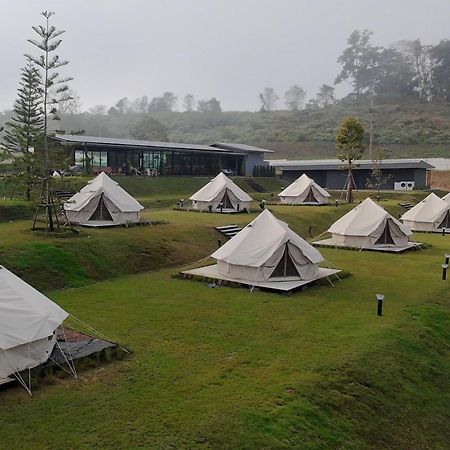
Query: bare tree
(188, 102)
(325, 96)
(70, 105)
(294, 98)
(268, 99)
(97, 110)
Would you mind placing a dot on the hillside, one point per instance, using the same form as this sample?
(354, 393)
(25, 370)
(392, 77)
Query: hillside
(407, 129)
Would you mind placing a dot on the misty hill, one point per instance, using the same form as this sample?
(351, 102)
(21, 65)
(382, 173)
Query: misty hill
(407, 129)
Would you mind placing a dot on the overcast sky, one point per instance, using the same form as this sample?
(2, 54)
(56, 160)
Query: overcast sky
(230, 49)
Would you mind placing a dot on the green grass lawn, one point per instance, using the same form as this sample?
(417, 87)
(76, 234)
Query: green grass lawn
(226, 368)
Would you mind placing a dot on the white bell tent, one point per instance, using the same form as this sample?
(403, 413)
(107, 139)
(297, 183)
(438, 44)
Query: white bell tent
(102, 202)
(431, 214)
(446, 198)
(304, 191)
(221, 194)
(267, 249)
(28, 321)
(369, 226)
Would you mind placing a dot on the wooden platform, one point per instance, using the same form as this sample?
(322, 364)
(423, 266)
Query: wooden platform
(387, 249)
(284, 286)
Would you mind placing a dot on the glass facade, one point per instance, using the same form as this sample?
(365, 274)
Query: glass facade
(91, 158)
(160, 161)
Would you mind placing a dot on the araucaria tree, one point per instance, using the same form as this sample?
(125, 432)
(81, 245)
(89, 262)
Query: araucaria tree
(54, 90)
(25, 129)
(350, 146)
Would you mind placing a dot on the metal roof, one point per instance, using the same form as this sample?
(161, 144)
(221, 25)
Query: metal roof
(222, 148)
(335, 164)
(241, 147)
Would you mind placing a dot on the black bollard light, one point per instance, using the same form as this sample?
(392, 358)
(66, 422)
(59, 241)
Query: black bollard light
(443, 231)
(444, 271)
(378, 198)
(380, 298)
(221, 207)
(447, 259)
(336, 202)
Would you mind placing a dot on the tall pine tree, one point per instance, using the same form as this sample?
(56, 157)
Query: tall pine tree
(54, 91)
(25, 129)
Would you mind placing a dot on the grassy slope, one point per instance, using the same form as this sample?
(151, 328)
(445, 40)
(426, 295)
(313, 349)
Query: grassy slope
(223, 368)
(50, 262)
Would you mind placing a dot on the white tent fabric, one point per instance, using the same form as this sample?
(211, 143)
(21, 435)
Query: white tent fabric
(221, 190)
(428, 214)
(104, 202)
(304, 190)
(28, 321)
(446, 198)
(369, 225)
(256, 252)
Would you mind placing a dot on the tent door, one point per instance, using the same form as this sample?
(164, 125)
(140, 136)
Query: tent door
(101, 213)
(310, 198)
(286, 267)
(385, 238)
(446, 222)
(226, 202)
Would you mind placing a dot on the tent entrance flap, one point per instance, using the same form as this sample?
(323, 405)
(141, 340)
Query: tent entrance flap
(385, 238)
(101, 212)
(286, 267)
(226, 202)
(446, 222)
(310, 198)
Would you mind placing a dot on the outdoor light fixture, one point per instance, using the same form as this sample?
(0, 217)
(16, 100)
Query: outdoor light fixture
(447, 259)
(444, 271)
(380, 298)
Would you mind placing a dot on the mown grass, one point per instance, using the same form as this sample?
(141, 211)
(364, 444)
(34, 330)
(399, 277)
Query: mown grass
(225, 368)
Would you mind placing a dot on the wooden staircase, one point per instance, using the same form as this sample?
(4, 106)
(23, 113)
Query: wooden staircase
(229, 230)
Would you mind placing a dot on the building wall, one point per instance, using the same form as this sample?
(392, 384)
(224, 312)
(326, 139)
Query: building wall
(336, 179)
(254, 159)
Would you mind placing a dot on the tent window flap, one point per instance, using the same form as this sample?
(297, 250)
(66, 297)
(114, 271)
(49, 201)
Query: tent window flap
(310, 198)
(385, 238)
(285, 267)
(446, 222)
(101, 212)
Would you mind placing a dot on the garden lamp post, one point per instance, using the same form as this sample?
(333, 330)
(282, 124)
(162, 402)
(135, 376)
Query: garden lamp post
(380, 298)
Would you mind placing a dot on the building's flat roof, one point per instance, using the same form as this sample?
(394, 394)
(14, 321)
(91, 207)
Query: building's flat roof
(241, 147)
(334, 164)
(223, 148)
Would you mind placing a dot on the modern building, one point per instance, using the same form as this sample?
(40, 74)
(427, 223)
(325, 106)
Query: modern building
(167, 158)
(331, 173)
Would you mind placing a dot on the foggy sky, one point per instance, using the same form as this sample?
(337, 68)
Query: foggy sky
(230, 49)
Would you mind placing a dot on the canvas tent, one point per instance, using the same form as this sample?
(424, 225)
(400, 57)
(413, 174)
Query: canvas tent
(446, 198)
(221, 194)
(368, 225)
(28, 321)
(267, 250)
(431, 214)
(102, 202)
(304, 191)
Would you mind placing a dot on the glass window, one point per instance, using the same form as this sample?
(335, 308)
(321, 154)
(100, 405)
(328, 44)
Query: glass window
(79, 157)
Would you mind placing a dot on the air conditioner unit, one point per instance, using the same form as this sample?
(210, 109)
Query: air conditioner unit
(404, 185)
